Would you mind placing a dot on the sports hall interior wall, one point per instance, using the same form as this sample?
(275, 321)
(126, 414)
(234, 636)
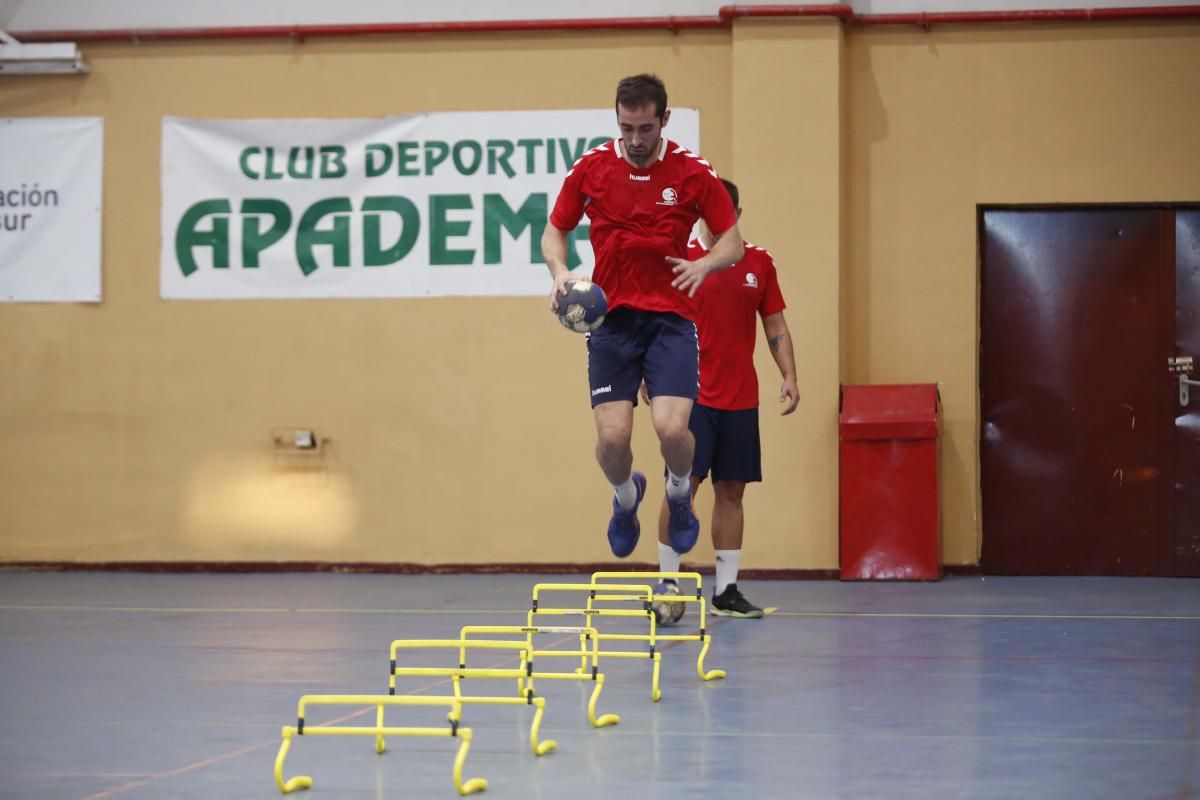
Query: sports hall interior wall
(139, 429)
(962, 116)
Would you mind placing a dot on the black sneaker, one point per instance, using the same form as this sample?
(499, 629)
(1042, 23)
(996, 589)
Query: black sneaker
(731, 603)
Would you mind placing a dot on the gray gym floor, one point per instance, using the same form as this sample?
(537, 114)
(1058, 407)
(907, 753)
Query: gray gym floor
(141, 686)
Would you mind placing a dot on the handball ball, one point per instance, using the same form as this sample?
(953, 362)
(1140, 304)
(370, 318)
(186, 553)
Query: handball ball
(667, 612)
(583, 307)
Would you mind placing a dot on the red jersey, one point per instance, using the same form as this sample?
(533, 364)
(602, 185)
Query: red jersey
(641, 216)
(727, 304)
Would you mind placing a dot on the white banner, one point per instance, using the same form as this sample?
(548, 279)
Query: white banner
(415, 206)
(50, 179)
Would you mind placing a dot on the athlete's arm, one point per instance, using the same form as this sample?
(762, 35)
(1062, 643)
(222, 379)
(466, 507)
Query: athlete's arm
(726, 251)
(779, 339)
(554, 252)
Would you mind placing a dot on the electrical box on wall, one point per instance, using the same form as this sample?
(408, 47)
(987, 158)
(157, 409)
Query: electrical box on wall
(301, 440)
(298, 447)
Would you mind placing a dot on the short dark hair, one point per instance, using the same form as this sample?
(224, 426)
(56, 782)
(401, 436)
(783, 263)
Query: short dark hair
(639, 90)
(731, 187)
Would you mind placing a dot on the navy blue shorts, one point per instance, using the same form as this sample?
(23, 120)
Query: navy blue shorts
(633, 345)
(727, 443)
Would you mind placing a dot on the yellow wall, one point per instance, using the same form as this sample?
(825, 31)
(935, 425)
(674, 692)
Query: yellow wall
(138, 429)
(941, 122)
(787, 140)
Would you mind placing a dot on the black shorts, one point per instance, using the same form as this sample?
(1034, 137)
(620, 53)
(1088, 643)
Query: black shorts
(633, 345)
(727, 443)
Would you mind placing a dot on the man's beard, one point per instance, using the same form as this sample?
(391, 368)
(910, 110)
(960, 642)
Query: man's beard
(643, 158)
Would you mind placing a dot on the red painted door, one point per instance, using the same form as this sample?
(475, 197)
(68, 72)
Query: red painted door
(1077, 442)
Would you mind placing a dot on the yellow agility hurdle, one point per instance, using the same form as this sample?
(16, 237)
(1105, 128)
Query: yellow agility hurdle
(525, 672)
(611, 592)
(454, 730)
(654, 637)
(586, 635)
(456, 675)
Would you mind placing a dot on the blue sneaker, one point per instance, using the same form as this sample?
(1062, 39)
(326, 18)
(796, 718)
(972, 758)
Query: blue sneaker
(683, 529)
(624, 528)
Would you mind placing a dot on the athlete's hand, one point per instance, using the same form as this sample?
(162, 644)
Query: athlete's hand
(789, 397)
(688, 274)
(561, 280)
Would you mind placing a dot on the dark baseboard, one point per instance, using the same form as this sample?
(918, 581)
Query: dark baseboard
(395, 568)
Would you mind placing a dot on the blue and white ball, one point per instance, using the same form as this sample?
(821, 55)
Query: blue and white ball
(583, 308)
(667, 612)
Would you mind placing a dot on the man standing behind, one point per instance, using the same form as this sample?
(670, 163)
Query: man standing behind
(724, 420)
(643, 194)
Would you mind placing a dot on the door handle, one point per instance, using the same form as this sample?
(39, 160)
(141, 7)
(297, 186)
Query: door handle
(1182, 366)
(1184, 383)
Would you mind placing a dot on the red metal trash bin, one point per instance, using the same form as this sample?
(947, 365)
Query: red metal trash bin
(890, 517)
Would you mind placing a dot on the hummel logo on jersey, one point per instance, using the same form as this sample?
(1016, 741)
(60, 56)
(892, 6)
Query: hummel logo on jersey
(670, 198)
(751, 281)
(633, 177)
(601, 390)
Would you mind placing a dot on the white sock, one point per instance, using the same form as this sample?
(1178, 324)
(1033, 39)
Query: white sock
(727, 568)
(677, 486)
(668, 559)
(626, 493)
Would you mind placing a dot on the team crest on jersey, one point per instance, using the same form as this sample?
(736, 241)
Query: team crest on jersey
(751, 281)
(670, 198)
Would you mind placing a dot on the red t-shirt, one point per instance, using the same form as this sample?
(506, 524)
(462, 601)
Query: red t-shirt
(640, 216)
(727, 304)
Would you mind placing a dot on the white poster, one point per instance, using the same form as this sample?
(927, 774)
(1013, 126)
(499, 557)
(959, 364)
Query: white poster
(415, 206)
(50, 179)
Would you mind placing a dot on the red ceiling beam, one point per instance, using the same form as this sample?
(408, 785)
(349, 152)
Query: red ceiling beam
(842, 11)
(1047, 15)
(724, 19)
(301, 32)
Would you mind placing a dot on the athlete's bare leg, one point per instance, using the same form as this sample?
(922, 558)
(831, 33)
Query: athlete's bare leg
(728, 519)
(614, 431)
(670, 416)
